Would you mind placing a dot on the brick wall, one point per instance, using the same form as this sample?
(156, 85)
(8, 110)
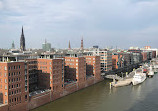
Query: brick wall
(70, 88)
(4, 107)
(39, 100)
(90, 81)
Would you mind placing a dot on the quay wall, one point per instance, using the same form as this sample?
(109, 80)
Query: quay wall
(39, 100)
(48, 96)
(4, 107)
(90, 81)
(44, 98)
(70, 88)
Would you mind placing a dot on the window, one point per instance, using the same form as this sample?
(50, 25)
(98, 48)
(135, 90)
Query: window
(5, 80)
(25, 88)
(5, 74)
(5, 68)
(5, 93)
(25, 96)
(5, 87)
(9, 74)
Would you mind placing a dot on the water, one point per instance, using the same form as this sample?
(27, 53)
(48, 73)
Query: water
(99, 97)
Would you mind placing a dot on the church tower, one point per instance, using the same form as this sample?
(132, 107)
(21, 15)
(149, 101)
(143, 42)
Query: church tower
(13, 45)
(69, 45)
(82, 43)
(22, 41)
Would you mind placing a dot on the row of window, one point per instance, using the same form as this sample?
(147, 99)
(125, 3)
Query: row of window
(14, 73)
(71, 60)
(90, 58)
(15, 92)
(32, 62)
(14, 67)
(18, 99)
(5, 80)
(5, 74)
(45, 63)
(14, 79)
(14, 86)
(32, 67)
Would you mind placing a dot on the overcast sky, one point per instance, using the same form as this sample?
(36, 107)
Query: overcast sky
(121, 23)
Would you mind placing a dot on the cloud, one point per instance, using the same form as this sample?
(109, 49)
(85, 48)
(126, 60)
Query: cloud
(1, 5)
(58, 20)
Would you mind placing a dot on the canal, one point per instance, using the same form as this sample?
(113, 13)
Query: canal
(99, 97)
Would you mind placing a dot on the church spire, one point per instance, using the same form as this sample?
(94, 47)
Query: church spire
(13, 45)
(22, 41)
(82, 43)
(69, 45)
(22, 31)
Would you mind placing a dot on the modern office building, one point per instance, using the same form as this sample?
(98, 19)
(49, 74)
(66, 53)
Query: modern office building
(46, 46)
(105, 58)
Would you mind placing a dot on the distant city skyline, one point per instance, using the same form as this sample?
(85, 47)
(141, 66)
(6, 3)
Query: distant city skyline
(121, 23)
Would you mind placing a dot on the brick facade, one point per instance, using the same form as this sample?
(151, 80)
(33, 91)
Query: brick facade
(17, 78)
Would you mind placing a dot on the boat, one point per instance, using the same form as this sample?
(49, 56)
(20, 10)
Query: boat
(151, 72)
(138, 78)
(155, 68)
(122, 83)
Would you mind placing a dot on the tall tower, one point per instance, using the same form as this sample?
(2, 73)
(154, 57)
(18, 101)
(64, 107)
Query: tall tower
(13, 45)
(22, 41)
(69, 45)
(82, 43)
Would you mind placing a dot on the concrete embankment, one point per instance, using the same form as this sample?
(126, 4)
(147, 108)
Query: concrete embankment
(126, 80)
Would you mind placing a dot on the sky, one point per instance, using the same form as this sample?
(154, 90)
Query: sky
(107, 23)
